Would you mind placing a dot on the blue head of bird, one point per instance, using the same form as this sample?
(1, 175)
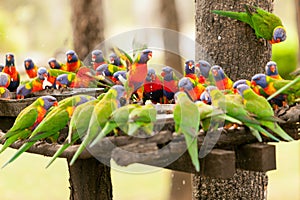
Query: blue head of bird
(146, 56)
(48, 101)
(114, 59)
(167, 73)
(241, 88)
(103, 70)
(204, 67)
(63, 80)
(185, 84)
(239, 82)
(23, 91)
(259, 79)
(120, 74)
(71, 56)
(28, 63)
(279, 35)
(4, 79)
(150, 75)
(1, 67)
(52, 62)
(9, 59)
(217, 72)
(189, 67)
(271, 68)
(42, 73)
(97, 56)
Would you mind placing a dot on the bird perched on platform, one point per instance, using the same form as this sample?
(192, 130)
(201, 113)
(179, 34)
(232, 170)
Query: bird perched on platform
(265, 24)
(262, 110)
(153, 87)
(30, 68)
(170, 83)
(48, 129)
(101, 112)
(272, 70)
(54, 64)
(191, 87)
(28, 119)
(97, 58)
(190, 70)
(73, 62)
(11, 70)
(187, 122)
(202, 71)
(222, 81)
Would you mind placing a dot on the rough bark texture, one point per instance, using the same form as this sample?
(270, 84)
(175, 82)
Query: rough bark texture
(90, 179)
(230, 43)
(234, 46)
(169, 20)
(88, 25)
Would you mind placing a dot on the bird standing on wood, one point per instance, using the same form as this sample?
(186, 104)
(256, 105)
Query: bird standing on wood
(30, 68)
(265, 24)
(11, 70)
(73, 62)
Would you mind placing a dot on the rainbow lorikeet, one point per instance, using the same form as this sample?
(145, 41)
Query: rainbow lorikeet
(11, 70)
(54, 64)
(170, 83)
(101, 112)
(108, 70)
(272, 87)
(153, 87)
(73, 62)
(48, 129)
(191, 87)
(189, 70)
(239, 82)
(137, 73)
(117, 61)
(265, 24)
(262, 110)
(119, 77)
(202, 71)
(97, 58)
(30, 68)
(4, 80)
(187, 122)
(272, 70)
(222, 81)
(205, 96)
(28, 119)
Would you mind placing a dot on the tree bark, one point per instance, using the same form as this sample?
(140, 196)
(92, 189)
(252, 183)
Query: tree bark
(88, 25)
(232, 45)
(90, 179)
(169, 20)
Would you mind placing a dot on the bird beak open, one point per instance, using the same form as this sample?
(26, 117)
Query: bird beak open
(69, 57)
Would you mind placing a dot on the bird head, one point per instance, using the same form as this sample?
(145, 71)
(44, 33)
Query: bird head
(167, 73)
(259, 79)
(205, 97)
(42, 73)
(28, 63)
(48, 101)
(71, 56)
(241, 88)
(146, 56)
(4, 79)
(102, 70)
(150, 75)
(52, 62)
(204, 67)
(271, 68)
(189, 67)
(114, 59)
(279, 35)
(62, 80)
(119, 77)
(239, 82)
(217, 72)
(185, 84)
(97, 56)
(9, 59)
(23, 91)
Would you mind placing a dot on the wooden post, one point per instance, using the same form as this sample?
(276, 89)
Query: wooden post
(234, 46)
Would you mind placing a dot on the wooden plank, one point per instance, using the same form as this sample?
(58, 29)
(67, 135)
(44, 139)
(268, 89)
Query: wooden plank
(256, 157)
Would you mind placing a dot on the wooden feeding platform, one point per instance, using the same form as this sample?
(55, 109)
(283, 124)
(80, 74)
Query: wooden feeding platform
(234, 149)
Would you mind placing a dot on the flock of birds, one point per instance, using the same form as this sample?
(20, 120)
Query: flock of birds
(205, 97)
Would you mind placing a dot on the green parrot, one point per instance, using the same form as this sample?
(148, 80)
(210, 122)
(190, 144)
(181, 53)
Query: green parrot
(265, 24)
(142, 117)
(233, 106)
(187, 121)
(119, 118)
(78, 126)
(28, 119)
(262, 110)
(101, 112)
(54, 121)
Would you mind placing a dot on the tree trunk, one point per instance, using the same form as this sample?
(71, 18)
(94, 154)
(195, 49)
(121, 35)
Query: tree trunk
(232, 45)
(169, 20)
(181, 187)
(90, 179)
(88, 25)
(297, 5)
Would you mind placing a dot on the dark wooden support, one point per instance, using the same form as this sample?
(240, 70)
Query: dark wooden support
(90, 179)
(256, 157)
